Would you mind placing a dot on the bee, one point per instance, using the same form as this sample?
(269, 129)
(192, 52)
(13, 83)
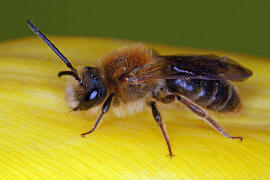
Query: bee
(134, 77)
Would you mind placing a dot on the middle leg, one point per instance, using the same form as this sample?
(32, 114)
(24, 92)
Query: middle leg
(158, 119)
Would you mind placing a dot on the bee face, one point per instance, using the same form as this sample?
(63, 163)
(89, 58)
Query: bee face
(93, 90)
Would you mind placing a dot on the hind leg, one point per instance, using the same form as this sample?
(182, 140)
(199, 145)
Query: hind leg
(200, 112)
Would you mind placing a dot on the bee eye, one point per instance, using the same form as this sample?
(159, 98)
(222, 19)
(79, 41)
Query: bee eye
(92, 95)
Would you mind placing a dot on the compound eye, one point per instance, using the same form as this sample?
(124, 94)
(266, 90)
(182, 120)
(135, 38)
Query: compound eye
(92, 95)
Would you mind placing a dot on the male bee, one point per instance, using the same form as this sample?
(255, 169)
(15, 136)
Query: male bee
(133, 77)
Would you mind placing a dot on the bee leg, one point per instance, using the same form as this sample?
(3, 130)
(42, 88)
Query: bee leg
(158, 119)
(197, 110)
(105, 108)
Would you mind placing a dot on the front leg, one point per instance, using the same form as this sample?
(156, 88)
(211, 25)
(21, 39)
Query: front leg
(105, 108)
(158, 119)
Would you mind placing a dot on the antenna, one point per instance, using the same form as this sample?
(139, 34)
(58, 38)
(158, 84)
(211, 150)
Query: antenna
(73, 71)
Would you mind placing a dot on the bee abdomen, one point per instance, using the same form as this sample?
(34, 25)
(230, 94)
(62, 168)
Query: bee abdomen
(213, 95)
(208, 92)
(226, 98)
(222, 97)
(187, 88)
(233, 103)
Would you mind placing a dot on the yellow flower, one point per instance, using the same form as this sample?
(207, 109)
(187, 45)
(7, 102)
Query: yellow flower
(39, 138)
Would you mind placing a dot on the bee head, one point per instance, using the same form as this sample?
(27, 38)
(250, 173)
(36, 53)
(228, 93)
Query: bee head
(89, 93)
(89, 90)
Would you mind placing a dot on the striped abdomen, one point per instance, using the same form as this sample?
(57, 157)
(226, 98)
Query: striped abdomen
(214, 95)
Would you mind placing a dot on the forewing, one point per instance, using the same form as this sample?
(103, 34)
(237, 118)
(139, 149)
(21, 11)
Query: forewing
(209, 67)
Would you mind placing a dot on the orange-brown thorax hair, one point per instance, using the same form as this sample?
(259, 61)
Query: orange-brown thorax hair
(116, 67)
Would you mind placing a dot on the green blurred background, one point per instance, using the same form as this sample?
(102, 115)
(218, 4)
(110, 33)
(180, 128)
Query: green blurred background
(231, 25)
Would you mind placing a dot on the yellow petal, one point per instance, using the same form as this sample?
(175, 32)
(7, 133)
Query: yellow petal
(39, 138)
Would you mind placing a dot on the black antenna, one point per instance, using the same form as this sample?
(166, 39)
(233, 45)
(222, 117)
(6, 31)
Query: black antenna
(57, 52)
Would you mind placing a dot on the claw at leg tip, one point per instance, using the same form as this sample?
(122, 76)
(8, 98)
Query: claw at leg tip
(238, 137)
(83, 135)
(171, 156)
